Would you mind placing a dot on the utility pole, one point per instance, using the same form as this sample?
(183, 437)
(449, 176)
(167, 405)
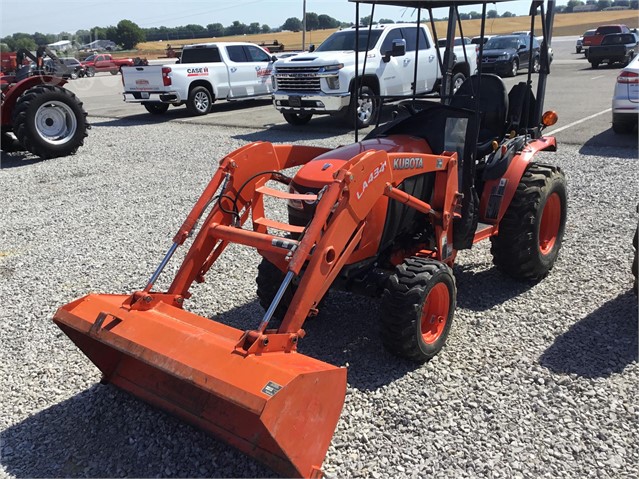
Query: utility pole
(304, 25)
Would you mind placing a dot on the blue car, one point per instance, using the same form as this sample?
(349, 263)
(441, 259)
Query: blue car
(505, 55)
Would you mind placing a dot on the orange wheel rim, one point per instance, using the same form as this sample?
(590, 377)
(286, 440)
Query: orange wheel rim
(550, 222)
(435, 313)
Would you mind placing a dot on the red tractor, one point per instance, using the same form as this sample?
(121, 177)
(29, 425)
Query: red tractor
(46, 119)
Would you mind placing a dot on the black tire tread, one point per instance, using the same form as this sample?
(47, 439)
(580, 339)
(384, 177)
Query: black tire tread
(400, 306)
(514, 249)
(21, 116)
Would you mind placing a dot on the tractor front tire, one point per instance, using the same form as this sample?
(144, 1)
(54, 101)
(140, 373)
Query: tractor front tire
(269, 278)
(532, 229)
(417, 308)
(50, 122)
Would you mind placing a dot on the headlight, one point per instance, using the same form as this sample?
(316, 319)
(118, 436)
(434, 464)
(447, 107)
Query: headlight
(503, 57)
(332, 68)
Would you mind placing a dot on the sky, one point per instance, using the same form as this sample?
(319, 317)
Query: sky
(55, 16)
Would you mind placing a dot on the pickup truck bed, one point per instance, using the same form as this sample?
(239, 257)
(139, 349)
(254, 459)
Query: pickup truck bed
(615, 47)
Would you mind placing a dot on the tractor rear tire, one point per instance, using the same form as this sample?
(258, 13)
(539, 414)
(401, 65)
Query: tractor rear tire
(417, 307)
(531, 231)
(269, 278)
(49, 121)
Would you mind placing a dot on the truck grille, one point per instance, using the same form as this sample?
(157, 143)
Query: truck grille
(298, 78)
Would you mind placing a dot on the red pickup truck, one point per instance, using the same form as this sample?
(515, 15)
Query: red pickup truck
(104, 62)
(602, 31)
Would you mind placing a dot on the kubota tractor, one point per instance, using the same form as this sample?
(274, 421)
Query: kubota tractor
(46, 119)
(385, 217)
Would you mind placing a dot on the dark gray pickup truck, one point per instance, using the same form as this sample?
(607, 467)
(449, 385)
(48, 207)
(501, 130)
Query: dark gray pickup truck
(615, 47)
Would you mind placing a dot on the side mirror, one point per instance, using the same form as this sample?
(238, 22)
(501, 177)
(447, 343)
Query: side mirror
(273, 58)
(311, 48)
(398, 49)
(521, 47)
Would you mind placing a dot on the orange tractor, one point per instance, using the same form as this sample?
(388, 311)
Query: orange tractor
(385, 216)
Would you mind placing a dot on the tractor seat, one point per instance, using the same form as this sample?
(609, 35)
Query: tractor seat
(493, 107)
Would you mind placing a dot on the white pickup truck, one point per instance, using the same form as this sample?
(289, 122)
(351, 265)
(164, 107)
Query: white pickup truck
(322, 81)
(204, 73)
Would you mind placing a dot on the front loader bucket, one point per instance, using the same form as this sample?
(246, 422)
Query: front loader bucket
(279, 407)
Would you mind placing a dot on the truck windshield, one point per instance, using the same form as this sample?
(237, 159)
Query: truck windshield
(501, 43)
(201, 55)
(345, 40)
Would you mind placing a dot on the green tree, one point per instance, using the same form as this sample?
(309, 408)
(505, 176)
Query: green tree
(601, 4)
(365, 20)
(475, 15)
(254, 28)
(507, 15)
(492, 14)
(386, 20)
(265, 28)
(293, 24)
(312, 21)
(128, 34)
(236, 28)
(215, 29)
(326, 21)
(24, 42)
(4, 47)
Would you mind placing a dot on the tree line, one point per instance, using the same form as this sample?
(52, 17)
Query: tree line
(127, 33)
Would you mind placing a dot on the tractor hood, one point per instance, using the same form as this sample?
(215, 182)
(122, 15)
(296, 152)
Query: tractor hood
(319, 172)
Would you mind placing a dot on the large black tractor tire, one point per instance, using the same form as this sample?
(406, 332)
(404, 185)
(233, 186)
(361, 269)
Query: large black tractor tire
(417, 309)
(269, 278)
(531, 231)
(200, 101)
(50, 122)
(366, 108)
(297, 119)
(156, 108)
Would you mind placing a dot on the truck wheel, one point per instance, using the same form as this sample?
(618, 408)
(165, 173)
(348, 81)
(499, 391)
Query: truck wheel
(90, 72)
(49, 121)
(156, 108)
(536, 65)
(417, 309)
(531, 231)
(578, 50)
(366, 108)
(514, 68)
(297, 118)
(114, 72)
(622, 126)
(594, 64)
(457, 81)
(199, 101)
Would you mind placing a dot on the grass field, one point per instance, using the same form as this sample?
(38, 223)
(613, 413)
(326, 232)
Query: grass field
(565, 24)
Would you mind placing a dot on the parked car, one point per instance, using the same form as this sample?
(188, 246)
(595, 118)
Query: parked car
(507, 54)
(104, 62)
(540, 39)
(477, 40)
(70, 68)
(205, 73)
(441, 42)
(625, 100)
(580, 41)
(614, 48)
(600, 33)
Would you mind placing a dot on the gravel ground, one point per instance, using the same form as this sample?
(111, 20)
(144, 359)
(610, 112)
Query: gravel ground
(535, 381)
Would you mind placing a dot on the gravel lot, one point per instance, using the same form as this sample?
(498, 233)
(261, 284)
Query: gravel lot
(535, 381)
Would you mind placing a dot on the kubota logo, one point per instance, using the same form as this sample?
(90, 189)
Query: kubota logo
(408, 163)
(372, 177)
